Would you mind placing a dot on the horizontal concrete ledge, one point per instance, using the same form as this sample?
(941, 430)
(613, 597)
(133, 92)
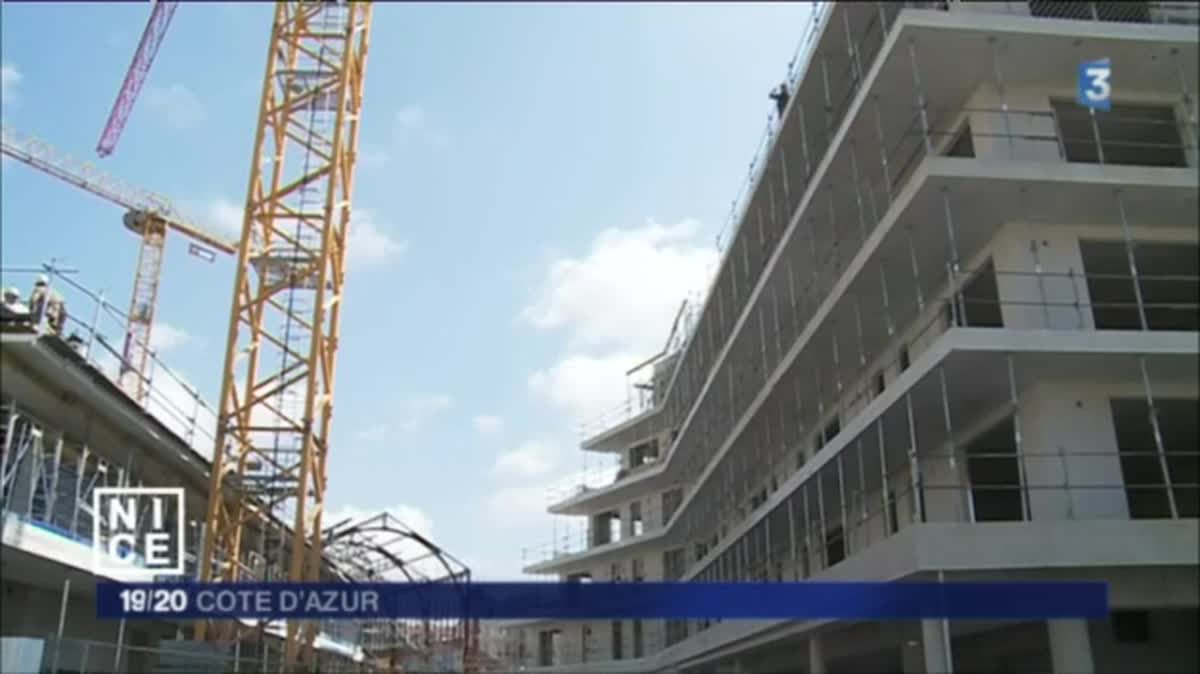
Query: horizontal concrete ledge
(997, 22)
(1071, 544)
(1148, 562)
(955, 340)
(949, 172)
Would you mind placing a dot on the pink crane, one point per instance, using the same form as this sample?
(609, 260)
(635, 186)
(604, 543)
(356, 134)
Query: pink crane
(152, 37)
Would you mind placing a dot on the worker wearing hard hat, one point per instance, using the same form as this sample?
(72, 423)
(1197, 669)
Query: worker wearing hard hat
(48, 304)
(14, 309)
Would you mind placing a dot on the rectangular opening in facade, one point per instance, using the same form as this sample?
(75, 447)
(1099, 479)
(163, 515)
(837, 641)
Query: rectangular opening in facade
(644, 453)
(549, 643)
(606, 528)
(618, 646)
(893, 512)
(1135, 135)
(639, 644)
(636, 525)
(1131, 627)
(1168, 275)
(981, 300)
(582, 577)
(995, 475)
(835, 546)
(963, 144)
(1141, 466)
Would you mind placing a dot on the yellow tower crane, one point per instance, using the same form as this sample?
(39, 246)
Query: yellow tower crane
(276, 401)
(149, 215)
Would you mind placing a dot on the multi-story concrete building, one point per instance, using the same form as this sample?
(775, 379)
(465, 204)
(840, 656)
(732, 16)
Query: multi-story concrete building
(67, 428)
(953, 336)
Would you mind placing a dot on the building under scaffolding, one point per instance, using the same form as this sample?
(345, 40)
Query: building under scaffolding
(953, 335)
(67, 428)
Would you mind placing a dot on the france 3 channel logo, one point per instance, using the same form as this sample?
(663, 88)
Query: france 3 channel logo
(138, 532)
(1095, 85)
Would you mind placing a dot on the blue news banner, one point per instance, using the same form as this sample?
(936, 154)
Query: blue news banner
(731, 601)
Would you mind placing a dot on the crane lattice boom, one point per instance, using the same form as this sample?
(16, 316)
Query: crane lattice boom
(45, 158)
(276, 402)
(150, 216)
(139, 68)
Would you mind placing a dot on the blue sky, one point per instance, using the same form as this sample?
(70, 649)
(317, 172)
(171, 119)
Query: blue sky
(539, 186)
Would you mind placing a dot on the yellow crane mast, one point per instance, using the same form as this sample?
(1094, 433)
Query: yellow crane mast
(276, 401)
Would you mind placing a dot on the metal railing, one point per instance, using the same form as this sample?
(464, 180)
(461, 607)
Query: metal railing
(97, 329)
(1055, 301)
(571, 538)
(1122, 12)
(607, 472)
(737, 211)
(871, 516)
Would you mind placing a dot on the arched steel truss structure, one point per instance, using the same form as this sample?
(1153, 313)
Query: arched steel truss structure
(381, 548)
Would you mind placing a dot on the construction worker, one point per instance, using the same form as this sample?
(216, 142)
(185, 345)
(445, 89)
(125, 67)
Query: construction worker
(780, 96)
(14, 309)
(38, 299)
(47, 304)
(76, 343)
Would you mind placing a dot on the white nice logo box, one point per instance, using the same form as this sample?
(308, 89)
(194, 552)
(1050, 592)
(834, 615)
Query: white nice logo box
(138, 532)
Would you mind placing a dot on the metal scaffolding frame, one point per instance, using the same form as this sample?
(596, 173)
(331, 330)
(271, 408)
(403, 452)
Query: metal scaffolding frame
(759, 412)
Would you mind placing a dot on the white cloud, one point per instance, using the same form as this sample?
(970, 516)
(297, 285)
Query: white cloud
(529, 460)
(419, 409)
(164, 337)
(371, 244)
(177, 105)
(520, 507)
(488, 424)
(222, 214)
(584, 386)
(411, 517)
(411, 122)
(412, 415)
(10, 79)
(615, 303)
(624, 292)
(372, 433)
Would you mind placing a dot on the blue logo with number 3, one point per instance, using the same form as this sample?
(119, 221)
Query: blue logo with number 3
(1095, 86)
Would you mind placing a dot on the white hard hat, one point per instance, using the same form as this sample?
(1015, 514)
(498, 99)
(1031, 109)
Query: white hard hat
(42, 280)
(11, 292)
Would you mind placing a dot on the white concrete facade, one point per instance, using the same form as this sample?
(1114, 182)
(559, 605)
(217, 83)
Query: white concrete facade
(954, 334)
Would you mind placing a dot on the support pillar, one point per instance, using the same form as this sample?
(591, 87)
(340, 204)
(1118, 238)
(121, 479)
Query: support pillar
(1070, 647)
(923, 648)
(816, 655)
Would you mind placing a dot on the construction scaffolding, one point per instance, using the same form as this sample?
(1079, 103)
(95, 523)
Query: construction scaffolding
(855, 252)
(381, 548)
(48, 475)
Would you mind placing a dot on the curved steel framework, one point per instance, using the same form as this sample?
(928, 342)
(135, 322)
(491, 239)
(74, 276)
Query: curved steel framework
(276, 405)
(381, 548)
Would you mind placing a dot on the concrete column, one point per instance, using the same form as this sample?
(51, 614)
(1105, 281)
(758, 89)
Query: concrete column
(816, 656)
(1070, 647)
(923, 651)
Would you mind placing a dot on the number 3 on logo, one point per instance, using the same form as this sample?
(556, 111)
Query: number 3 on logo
(1095, 88)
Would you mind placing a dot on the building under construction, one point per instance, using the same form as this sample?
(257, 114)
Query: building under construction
(87, 404)
(69, 428)
(953, 336)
